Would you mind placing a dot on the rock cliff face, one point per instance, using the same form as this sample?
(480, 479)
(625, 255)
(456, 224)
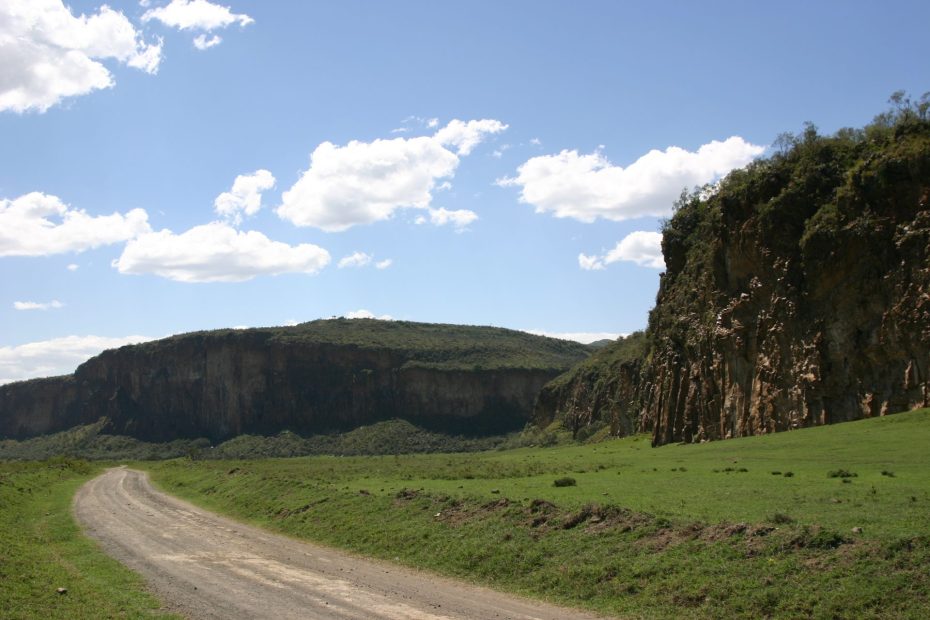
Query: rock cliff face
(602, 388)
(317, 377)
(797, 293)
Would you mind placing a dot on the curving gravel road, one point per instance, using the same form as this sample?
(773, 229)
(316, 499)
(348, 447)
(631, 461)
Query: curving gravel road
(205, 566)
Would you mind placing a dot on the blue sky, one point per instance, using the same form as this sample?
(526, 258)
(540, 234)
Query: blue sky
(501, 163)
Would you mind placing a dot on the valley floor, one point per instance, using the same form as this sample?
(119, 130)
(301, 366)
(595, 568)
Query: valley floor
(827, 522)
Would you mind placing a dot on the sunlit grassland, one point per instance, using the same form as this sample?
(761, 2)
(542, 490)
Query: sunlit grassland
(742, 528)
(42, 549)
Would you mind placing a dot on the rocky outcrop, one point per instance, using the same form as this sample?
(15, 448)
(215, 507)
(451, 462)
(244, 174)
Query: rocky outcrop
(800, 297)
(601, 389)
(318, 377)
(796, 293)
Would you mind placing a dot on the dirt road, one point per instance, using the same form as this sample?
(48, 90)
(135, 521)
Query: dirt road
(205, 566)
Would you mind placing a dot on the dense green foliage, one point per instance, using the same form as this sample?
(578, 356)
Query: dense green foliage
(705, 531)
(390, 437)
(41, 550)
(605, 361)
(801, 198)
(433, 345)
(89, 442)
(595, 398)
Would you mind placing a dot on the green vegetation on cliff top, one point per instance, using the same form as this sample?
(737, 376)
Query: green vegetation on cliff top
(605, 360)
(430, 345)
(819, 217)
(802, 199)
(745, 528)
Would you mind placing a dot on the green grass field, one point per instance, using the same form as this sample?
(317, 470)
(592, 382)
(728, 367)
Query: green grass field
(42, 549)
(755, 527)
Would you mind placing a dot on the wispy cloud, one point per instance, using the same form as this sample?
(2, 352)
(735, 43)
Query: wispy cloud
(34, 305)
(582, 337)
(366, 314)
(356, 259)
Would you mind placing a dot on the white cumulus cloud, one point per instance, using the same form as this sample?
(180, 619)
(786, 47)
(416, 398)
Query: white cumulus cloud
(72, 267)
(245, 197)
(366, 314)
(587, 187)
(57, 356)
(38, 224)
(356, 259)
(366, 182)
(196, 15)
(217, 252)
(35, 305)
(465, 136)
(384, 264)
(460, 218)
(47, 53)
(640, 247)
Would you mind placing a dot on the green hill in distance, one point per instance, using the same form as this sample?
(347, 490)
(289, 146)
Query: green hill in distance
(428, 345)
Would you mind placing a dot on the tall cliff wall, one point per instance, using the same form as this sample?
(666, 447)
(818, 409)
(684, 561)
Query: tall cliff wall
(796, 293)
(322, 376)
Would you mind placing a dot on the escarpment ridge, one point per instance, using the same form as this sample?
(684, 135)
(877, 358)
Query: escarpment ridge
(321, 376)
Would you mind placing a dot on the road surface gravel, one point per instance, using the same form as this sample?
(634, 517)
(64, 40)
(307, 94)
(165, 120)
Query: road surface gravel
(202, 565)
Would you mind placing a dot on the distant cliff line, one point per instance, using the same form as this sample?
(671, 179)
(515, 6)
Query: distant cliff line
(321, 376)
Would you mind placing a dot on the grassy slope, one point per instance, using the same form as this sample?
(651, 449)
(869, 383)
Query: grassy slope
(605, 360)
(42, 549)
(644, 532)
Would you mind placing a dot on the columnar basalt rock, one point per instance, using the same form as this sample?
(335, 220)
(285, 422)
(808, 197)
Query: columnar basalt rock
(790, 325)
(797, 293)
